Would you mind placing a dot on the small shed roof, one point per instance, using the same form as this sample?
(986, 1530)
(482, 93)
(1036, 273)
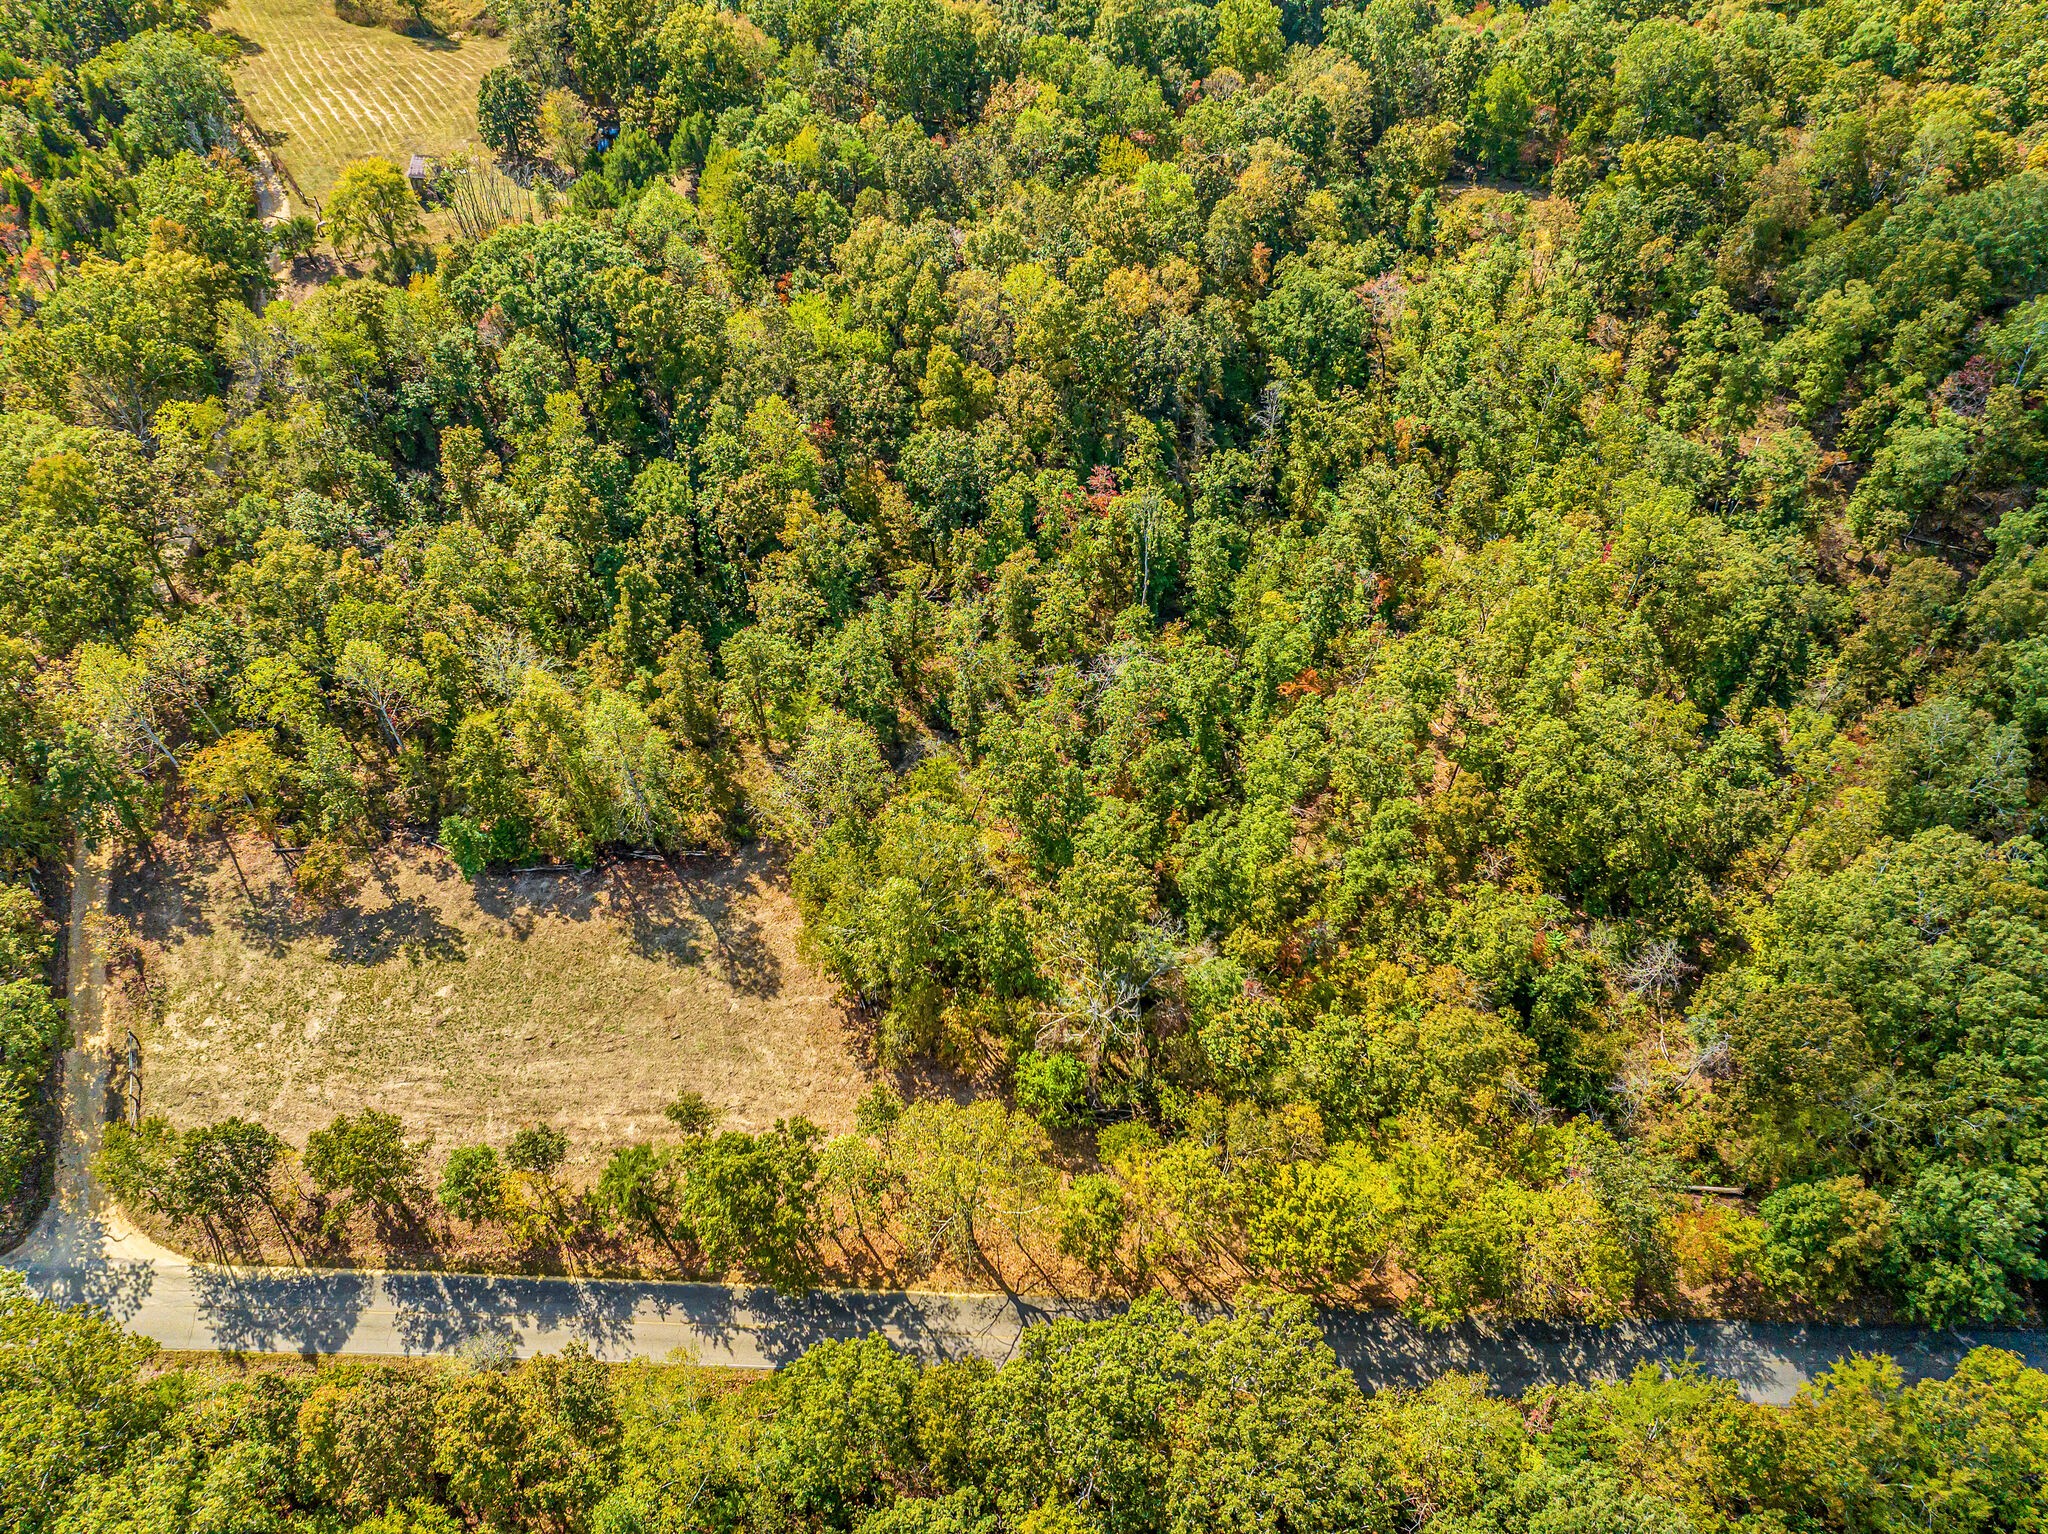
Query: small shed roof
(417, 169)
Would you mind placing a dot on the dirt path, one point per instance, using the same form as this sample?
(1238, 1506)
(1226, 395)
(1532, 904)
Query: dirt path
(82, 1250)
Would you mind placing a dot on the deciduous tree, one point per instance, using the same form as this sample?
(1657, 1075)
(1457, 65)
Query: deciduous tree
(373, 215)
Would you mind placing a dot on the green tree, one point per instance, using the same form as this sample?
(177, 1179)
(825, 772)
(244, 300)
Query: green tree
(75, 566)
(1036, 760)
(1053, 1088)
(226, 1169)
(139, 1166)
(508, 113)
(965, 1170)
(117, 342)
(1663, 80)
(1824, 1240)
(1093, 1217)
(1499, 115)
(547, 279)
(31, 1032)
(566, 129)
(138, 701)
(763, 680)
(239, 781)
(367, 1159)
(529, 1448)
(713, 58)
(192, 204)
(1309, 1225)
(639, 1192)
(1969, 1238)
(917, 920)
(1802, 1053)
(472, 1184)
(366, 1437)
(1269, 1431)
(171, 89)
(73, 1402)
(924, 60)
(373, 215)
(843, 1432)
(1081, 1416)
(1248, 37)
(751, 1202)
(838, 775)
(634, 161)
(538, 1152)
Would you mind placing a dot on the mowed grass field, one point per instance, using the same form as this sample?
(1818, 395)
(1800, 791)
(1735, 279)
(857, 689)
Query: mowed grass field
(329, 92)
(583, 1001)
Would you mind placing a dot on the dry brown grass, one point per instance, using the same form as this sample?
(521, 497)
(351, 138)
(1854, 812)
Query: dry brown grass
(584, 1001)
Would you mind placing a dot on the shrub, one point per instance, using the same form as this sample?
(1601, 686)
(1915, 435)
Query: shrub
(472, 1184)
(1092, 1220)
(322, 876)
(1823, 1239)
(1118, 1141)
(1053, 1088)
(691, 1114)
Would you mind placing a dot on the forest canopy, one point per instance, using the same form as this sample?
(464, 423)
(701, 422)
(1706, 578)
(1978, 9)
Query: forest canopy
(1440, 610)
(1157, 1420)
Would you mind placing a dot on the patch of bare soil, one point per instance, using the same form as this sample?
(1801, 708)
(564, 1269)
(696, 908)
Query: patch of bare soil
(584, 1001)
(307, 275)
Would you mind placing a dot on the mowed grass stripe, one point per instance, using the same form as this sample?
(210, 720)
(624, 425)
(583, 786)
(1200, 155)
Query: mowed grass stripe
(335, 92)
(313, 96)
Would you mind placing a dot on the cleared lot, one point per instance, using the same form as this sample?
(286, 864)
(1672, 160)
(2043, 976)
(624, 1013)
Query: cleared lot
(586, 1001)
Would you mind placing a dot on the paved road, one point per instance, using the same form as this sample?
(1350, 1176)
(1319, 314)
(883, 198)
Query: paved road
(83, 1252)
(199, 1306)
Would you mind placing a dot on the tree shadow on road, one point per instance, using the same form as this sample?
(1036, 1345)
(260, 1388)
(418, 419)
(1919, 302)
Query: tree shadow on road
(82, 1273)
(309, 1313)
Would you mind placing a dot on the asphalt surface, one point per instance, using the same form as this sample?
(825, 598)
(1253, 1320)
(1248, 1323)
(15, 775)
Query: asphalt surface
(82, 1251)
(201, 1306)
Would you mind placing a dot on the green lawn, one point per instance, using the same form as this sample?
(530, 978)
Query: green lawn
(328, 92)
